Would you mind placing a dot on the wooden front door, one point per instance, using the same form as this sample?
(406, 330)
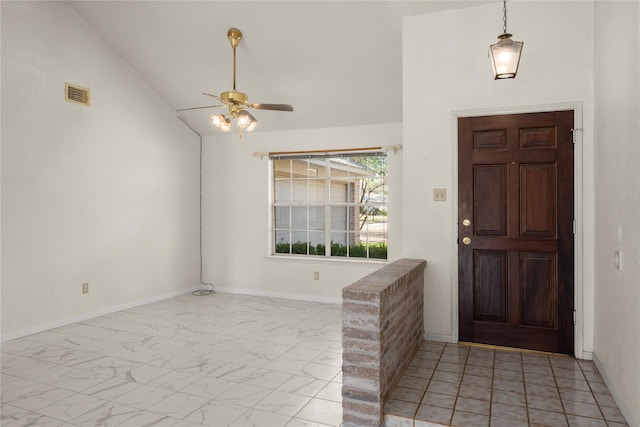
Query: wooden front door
(515, 230)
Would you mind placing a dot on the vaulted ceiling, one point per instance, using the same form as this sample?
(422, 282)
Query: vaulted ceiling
(339, 63)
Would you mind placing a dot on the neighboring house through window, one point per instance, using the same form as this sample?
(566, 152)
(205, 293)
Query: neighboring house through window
(330, 204)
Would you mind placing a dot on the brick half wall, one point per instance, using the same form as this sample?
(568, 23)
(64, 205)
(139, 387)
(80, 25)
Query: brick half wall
(382, 329)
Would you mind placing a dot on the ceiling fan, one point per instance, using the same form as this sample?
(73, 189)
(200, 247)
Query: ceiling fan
(237, 102)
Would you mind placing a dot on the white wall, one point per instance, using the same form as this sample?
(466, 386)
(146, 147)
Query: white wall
(446, 71)
(617, 292)
(106, 195)
(236, 212)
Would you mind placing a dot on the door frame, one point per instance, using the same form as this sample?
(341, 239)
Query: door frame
(578, 201)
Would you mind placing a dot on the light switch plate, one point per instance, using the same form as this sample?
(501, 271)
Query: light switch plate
(439, 194)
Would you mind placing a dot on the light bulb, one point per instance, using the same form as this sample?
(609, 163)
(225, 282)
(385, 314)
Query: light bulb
(504, 56)
(243, 121)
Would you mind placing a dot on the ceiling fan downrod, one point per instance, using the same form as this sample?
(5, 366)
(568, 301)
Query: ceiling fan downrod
(234, 35)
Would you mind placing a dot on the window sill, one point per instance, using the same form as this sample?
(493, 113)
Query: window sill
(326, 260)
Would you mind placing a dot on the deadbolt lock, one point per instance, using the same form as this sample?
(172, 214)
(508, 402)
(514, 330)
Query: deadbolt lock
(466, 240)
(466, 222)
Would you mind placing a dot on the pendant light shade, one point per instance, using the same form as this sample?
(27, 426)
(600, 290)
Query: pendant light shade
(505, 57)
(505, 54)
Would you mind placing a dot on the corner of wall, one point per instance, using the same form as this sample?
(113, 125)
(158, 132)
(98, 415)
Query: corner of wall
(626, 411)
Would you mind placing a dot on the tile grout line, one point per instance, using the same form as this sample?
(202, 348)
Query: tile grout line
(493, 376)
(524, 385)
(415, 413)
(555, 380)
(593, 395)
(455, 403)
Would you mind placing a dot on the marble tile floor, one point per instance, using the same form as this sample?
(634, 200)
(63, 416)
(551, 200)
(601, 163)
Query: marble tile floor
(233, 360)
(469, 386)
(215, 360)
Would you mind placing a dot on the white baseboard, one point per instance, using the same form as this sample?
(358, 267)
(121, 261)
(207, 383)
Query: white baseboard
(614, 393)
(586, 355)
(439, 338)
(101, 312)
(283, 295)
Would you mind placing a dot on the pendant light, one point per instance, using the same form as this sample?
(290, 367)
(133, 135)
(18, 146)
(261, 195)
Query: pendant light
(505, 54)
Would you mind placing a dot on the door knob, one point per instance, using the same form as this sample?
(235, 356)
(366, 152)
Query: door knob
(466, 240)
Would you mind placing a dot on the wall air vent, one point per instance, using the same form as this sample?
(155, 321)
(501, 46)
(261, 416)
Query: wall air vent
(76, 94)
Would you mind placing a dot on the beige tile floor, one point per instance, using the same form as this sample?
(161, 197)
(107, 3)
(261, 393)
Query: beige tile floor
(467, 386)
(215, 360)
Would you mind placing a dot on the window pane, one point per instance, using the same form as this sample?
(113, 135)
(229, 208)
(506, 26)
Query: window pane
(299, 189)
(316, 218)
(317, 191)
(281, 216)
(339, 249)
(304, 168)
(357, 249)
(282, 191)
(338, 238)
(299, 236)
(299, 218)
(282, 169)
(354, 238)
(372, 219)
(378, 250)
(316, 243)
(340, 191)
(300, 248)
(353, 212)
(339, 217)
(282, 242)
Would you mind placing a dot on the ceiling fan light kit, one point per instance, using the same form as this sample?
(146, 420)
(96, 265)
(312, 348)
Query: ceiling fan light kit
(221, 122)
(237, 102)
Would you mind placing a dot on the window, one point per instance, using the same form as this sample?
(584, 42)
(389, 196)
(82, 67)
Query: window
(330, 205)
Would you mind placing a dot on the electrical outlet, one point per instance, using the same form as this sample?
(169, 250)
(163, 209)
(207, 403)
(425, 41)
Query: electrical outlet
(316, 275)
(85, 288)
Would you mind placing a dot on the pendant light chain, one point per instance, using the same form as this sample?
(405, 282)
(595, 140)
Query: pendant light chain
(504, 16)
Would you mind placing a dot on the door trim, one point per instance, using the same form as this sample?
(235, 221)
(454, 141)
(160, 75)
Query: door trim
(577, 202)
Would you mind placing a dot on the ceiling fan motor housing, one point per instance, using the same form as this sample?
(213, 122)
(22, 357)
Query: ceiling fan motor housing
(234, 97)
(235, 100)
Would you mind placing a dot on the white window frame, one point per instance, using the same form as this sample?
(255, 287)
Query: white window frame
(309, 240)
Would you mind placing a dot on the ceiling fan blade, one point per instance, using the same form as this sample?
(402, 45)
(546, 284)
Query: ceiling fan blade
(200, 108)
(213, 96)
(276, 107)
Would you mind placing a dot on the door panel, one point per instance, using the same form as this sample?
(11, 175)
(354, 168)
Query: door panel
(489, 191)
(538, 200)
(539, 289)
(515, 250)
(490, 267)
(534, 138)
